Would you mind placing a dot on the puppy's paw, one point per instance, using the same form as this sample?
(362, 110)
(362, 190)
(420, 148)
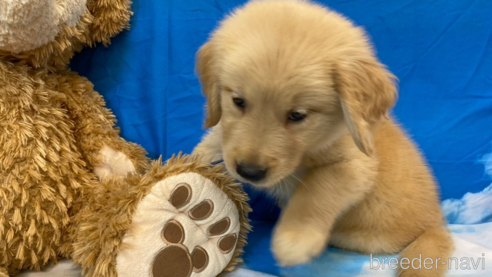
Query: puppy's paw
(422, 272)
(414, 273)
(297, 245)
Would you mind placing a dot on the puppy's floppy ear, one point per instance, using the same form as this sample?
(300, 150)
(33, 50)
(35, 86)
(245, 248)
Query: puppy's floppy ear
(208, 80)
(367, 91)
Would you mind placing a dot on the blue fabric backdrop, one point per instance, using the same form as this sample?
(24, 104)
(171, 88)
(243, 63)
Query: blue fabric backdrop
(440, 50)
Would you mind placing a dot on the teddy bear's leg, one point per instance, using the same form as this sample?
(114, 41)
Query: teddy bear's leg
(94, 127)
(181, 219)
(185, 226)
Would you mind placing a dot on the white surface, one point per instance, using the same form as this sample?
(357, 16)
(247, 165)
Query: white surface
(67, 269)
(472, 208)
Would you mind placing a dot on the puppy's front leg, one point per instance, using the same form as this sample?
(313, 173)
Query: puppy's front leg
(210, 148)
(302, 232)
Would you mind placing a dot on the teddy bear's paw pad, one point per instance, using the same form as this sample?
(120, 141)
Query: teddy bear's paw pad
(173, 232)
(186, 226)
(202, 211)
(173, 260)
(227, 243)
(181, 195)
(200, 259)
(220, 227)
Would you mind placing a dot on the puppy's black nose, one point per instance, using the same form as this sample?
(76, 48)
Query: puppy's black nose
(251, 172)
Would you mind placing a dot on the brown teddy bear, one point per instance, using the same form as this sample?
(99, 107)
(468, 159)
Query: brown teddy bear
(71, 187)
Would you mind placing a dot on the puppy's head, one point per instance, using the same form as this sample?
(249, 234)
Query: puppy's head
(286, 78)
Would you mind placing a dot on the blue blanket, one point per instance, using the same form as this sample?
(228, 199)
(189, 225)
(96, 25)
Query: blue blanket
(440, 50)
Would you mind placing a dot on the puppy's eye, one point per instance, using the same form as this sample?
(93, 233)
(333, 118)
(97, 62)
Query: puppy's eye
(296, 116)
(238, 102)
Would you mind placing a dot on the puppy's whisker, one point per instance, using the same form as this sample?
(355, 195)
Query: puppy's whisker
(301, 182)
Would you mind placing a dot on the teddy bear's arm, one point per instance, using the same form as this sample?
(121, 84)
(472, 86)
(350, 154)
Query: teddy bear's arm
(110, 18)
(94, 128)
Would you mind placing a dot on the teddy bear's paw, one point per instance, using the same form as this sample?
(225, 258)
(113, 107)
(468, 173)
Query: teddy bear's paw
(113, 163)
(186, 226)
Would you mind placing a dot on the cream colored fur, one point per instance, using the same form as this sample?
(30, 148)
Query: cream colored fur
(40, 21)
(346, 175)
(113, 163)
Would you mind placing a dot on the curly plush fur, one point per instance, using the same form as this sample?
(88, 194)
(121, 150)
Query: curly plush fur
(55, 173)
(101, 21)
(53, 127)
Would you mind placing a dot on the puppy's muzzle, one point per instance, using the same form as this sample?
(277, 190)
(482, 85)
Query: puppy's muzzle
(251, 172)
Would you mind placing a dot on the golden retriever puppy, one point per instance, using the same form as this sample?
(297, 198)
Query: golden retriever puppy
(298, 105)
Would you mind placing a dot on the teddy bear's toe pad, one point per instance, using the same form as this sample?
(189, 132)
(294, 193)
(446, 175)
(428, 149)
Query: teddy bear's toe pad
(200, 259)
(186, 226)
(173, 261)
